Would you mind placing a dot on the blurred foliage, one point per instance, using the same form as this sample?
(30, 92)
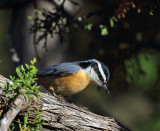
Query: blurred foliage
(125, 35)
(57, 22)
(122, 30)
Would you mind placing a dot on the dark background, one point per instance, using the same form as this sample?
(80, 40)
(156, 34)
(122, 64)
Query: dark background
(130, 49)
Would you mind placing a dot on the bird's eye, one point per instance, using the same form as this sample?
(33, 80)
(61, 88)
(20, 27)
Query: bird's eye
(104, 82)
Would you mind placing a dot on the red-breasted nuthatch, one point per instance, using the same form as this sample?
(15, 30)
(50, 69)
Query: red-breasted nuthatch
(72, 77)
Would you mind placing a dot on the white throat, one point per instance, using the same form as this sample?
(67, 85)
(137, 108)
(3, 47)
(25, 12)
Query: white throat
(94, 77)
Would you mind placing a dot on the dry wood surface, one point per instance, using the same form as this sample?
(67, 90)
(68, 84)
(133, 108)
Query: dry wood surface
(58, 113)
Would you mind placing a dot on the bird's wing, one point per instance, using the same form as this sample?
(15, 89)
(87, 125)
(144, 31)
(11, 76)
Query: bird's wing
(59, 70)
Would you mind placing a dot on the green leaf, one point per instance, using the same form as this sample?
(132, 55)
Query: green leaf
(101, 26)
(151, 12)
(26, 119)
(22, 68)
(115, 19)
(20, 126)
(30, 17)
(27, 66)
(88, 26)
(104, 31)
(38, 11)
(111, 22)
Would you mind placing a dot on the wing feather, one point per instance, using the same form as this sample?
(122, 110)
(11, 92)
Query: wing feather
(59, 70)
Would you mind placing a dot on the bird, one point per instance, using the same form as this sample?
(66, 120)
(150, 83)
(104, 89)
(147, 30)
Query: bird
(69, 78)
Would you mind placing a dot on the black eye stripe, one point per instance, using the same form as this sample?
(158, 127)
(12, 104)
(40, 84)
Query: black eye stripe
(85, 65)
(106, 71)
(95, 67)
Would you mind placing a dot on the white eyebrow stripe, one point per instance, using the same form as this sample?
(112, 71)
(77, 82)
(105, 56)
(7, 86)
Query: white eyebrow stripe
(100, 69)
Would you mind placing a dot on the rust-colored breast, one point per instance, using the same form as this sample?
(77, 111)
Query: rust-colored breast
(66, 85)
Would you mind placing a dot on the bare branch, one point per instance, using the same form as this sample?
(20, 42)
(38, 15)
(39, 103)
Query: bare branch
(18, 105)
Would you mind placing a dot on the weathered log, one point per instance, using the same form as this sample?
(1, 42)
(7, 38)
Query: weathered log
(58, 114)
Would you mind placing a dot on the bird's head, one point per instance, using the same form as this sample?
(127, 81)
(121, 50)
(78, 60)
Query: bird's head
(98, 72)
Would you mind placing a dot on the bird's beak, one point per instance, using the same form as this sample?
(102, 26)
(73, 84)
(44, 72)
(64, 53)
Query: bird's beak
(106, 88)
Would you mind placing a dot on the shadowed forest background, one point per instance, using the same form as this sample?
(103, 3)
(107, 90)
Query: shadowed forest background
(124, 34)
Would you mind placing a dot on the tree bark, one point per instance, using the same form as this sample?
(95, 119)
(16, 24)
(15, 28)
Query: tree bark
(57, 113)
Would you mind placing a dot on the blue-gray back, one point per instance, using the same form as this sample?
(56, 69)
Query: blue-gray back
(62, 69)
